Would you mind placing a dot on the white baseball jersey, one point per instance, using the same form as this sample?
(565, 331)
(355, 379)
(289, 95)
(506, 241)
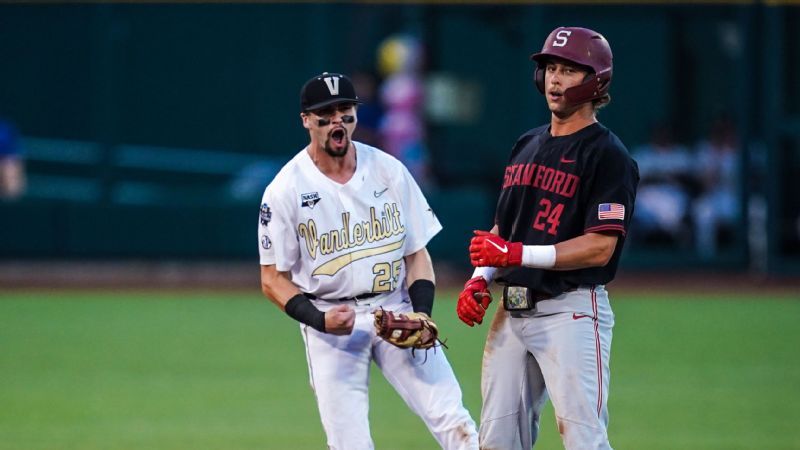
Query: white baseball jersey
(342, 240)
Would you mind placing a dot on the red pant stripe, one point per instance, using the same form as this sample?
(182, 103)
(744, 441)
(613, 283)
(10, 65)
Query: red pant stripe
(599, 356)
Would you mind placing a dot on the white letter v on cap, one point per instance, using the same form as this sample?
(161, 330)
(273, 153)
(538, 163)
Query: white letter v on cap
(333, 85)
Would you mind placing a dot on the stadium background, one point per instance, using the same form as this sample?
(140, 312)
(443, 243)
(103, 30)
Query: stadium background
(138, 124)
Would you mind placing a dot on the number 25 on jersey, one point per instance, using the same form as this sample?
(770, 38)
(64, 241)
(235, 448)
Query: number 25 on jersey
(386, 276)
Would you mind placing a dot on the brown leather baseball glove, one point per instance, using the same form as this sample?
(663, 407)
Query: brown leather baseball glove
(406, 330)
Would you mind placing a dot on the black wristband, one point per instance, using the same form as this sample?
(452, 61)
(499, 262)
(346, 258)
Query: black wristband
(421, 293)
(302, 310)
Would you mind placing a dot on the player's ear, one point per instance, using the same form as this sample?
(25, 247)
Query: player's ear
(304, 118)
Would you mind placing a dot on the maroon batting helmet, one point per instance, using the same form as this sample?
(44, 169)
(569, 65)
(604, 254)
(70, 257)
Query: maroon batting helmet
(581, 46)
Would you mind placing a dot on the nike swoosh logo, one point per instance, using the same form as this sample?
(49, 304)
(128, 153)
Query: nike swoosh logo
(378, 194)
(567, 161)
(503, 249)
(576, 316)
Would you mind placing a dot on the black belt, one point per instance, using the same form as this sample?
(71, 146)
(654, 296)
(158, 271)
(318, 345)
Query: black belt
(538, 296)
(522, 298)
(354, 298)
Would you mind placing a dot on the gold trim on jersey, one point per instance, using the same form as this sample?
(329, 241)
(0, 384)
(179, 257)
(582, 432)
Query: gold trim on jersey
(336, 264)
(345, 238)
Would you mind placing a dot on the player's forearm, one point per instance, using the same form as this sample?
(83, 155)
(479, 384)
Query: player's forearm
(487, 249)
(588, 250)
(419, 267)
(276, 286)
(280, 290)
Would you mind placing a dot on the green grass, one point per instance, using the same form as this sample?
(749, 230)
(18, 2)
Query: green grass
(179, 370)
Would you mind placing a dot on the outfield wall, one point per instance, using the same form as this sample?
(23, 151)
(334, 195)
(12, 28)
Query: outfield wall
(138, 121)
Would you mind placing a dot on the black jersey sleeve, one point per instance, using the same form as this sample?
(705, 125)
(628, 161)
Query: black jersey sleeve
(611, 199)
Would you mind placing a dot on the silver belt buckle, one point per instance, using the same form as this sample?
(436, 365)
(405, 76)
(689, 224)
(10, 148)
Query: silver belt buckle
(516, 298)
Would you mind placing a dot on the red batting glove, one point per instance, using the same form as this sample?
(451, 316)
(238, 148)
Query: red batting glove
(487, 249)
(473, 301)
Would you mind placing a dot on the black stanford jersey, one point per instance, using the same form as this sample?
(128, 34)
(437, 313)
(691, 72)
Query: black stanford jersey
(558, 188)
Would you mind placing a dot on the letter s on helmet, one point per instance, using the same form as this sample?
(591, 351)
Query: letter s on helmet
(581, 46)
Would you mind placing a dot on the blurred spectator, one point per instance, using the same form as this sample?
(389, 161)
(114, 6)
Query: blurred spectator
(717, 208)
(12, 168)
(370, 111)
(662, 203)
(402, 94)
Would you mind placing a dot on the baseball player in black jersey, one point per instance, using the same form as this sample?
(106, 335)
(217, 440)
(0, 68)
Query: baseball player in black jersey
(564, 209)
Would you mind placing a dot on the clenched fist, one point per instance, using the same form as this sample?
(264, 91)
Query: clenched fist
(487, 249)
(340, 320)
(473, 301)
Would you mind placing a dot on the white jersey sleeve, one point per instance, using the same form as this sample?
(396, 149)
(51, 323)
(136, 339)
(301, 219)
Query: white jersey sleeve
(278, 242)
(421, 222)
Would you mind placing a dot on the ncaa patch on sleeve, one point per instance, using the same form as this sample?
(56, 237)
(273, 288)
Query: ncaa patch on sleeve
(606, 211)
(264, 214)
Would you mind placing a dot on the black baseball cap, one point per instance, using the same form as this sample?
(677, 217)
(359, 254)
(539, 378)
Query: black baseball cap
(327, 89)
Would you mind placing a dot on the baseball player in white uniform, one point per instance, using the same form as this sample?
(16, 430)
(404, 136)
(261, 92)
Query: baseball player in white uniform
(343, 230)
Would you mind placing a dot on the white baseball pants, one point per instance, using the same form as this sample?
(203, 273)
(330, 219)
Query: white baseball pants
(339, 374)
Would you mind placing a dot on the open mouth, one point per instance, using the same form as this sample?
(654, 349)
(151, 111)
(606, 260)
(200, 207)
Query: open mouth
(338, 136)
(555, 95)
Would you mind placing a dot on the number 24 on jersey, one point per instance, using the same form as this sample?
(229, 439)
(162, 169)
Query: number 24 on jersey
(548, 215)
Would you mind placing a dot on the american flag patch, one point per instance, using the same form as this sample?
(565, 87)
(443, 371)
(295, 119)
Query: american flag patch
(611, 211)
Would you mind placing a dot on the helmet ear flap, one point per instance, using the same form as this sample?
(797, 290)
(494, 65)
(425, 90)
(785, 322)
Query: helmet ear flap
(538, 78)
